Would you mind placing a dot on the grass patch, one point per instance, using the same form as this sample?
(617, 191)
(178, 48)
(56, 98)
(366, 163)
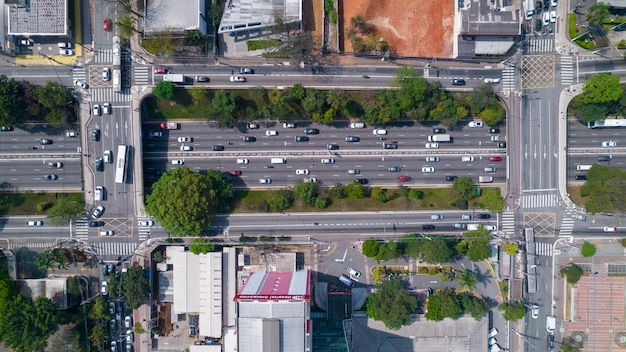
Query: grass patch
(572, 26)
(504, 288)
(262, 44)
(574, 194)
(27, 203)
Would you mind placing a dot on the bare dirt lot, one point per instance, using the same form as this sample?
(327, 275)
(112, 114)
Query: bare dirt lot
(422, 28)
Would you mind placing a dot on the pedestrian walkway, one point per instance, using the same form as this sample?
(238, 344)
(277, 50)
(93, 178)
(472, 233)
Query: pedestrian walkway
(543, 249)
(567, 226)
(508, 79)
(141, 75)
(144, 233)
(103, 56)
(107, 95)
(540, 201)
(80, 74)
(567, 70)
(540, 45)
(82, 229)
(508, 222)
(115, 248)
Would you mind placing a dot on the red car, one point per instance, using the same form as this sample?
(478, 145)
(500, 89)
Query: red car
(234, 172)
(159, 70)
(107, 24)
(495, 158)
(404, 178)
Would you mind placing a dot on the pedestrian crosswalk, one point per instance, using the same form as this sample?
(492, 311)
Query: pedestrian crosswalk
(107, 95)
(567, 226)
(105, 56)
(541, 45)
(100, 248)
(544, 249)
(567, 70)
(80, 74)
(508, 79)
(508, 222)
(82, 229)
(540, 201)
(144, 232)
(141, 75)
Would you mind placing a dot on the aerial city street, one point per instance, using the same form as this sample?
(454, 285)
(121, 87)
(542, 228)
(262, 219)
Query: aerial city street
(312, 175)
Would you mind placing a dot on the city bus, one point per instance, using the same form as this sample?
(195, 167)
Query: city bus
(122, 163)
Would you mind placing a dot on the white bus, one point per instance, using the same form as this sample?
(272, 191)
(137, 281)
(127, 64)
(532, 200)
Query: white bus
(122, 163)
(608, 123)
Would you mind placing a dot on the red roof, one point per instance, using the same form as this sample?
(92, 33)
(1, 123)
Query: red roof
(276, 286)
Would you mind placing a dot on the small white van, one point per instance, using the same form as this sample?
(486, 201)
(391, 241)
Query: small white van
(550, 323)
(278, 161)
(485, 179)
(583, 167)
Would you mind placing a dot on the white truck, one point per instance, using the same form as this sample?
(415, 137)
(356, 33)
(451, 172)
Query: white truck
(550, 323)
(440, 138)
(174, 78)
(168, 125)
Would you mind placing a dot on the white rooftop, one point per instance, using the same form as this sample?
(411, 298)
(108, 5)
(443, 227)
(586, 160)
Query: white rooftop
(243, 15)
(38, 17)
(176, 16)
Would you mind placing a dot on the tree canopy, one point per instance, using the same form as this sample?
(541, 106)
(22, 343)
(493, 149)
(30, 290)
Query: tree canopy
(598, 13)
(588, 249)
(605, 189)
(184, 202)
(492, 201)
(136, 286)
(26, 325)
(164, 90)
(465, 188)
(443, 304)
(512, 311)
(202, 245)
(602, 88)
(477, 243)
(572, 272)
(370, 248)
(391, 304)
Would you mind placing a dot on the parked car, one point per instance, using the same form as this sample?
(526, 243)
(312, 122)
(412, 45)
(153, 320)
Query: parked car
(475, 124)
(104, 288)
(66, 52)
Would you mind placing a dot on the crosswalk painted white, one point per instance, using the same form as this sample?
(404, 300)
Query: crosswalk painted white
(508, 222)
(82, 229)
(508, 79)
(540, 201)
(101, 248)
(544, 249)
(107, 95)
(80, 74)
(103, 56)
(541, 45)
(567, 70)
(567, 226)
(144, 232)
(141, 75)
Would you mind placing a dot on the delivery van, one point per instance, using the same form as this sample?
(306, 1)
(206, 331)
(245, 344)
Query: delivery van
(550, 323)
(278, 160)
(583, 167)
(485, 179)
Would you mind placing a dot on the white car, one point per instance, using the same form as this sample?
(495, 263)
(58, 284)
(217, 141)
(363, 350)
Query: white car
(310, 179)
(146, 223)
(185, 139)
(535, 311)
(107, 233)
(432, 159)
(96, 110)
(610, 229)
(289, 125)
(432, 145)
(128, 322)
(104, 288)
(467, 216)
(357, 125)
(354, 272)
(428, 169)
(354, 171)
(552, 16)
(265, 180)
(97, 212)
(71, 134)
(492, 80)
(106, 109)
(490, 227)
(81, 84)
(186, 148)
(302, 172)
(554, 3)
(237, 79)
(66, 52)
(106, 74)
(271, 133)
(608, 144)
(242, 161)
(129, 336)
(328, 161)
(475, 124)
(379, 132)
(108, 156)
(467, 159)
(64, 45)
(178, 162)
(35, 223)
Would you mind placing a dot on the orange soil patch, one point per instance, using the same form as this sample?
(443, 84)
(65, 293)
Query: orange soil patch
(313, 13)
(422, 28)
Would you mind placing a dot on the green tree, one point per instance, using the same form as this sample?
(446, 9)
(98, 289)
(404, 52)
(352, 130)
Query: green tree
(605, 189)
(305, 191)
(67, 340)
(26, 325)
(475, 306)
(370, 248)
(322, 202)
(513, 311)
(568, 347)
(602, 88)
(6, 289)
(202, 245)
(413, 88)
(336, 100)
(98, 309)
(465, 188)
(225, 191)
(126, 26)
(598, 13)
(482, 97)
(382, 109)
(197, 94)
(444, 304)
(493, 115)
(588, 249)
(279, 202)
(468, 279)
(184, 202)
(354, 190)
(492, 201)
(66, 209)
(511, 248)
(477, 244)
(592, 112)
(10, 102)
(164, 90)
(437, 250)
(391, 304)
(387, 251)
(379, 194)
(136, 286)
(54, 97)
(97, 334)
(573, 273)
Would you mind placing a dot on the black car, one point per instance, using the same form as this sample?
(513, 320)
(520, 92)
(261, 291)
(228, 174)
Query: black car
(302, 139)
(546, 5)
(202, 79)
(332, 146)
(439, 130)
(6, 129)
(99, 164)
(95, 134)
(217, 148)
(352, 139)
(249, 139)
(538, 7)
(451, 178)
(96, 223)
(494, 130)
(484, 216)
(45, 141)
(428, 227)
(502, 145)
(550, 342)
(362, 181)
(458, 82)
(50, 177)
(581, 177)
(311, 131)
(390, 146)
(246, 70)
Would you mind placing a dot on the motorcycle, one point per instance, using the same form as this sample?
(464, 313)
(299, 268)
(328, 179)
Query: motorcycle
(394, 141)
(366, 76)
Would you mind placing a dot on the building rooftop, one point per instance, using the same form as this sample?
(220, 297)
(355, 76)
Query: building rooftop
(38, 17)
(276, 286)
(174, 15)
(244, 15)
